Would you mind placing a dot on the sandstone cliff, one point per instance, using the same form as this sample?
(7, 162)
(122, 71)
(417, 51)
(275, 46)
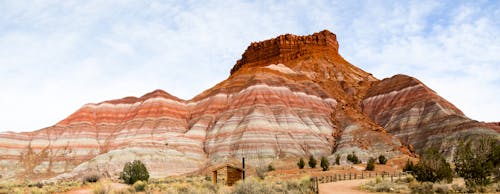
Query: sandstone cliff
(287, 97)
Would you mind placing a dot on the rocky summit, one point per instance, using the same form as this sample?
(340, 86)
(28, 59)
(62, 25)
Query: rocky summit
(287, 97)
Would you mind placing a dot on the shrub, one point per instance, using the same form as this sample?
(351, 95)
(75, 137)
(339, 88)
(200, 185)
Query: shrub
(382, 159)
(475, 162)
(270, 168)
(261, 172)
(312, 162)
(337, 159)
(91, 178)
(140, 186)
(432, 168)
(134, 171)
(353, 158)
(441, 188)
(101, 188)
(425, 187)
(301, 163)
(325, 165)
(409, 167)
(371, 164)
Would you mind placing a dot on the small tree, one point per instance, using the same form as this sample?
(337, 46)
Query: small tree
(337, 159)
(371, 164)
(325, 165)
(475, 161)
(409, 167)
(353, 158)
(270, 168)
(312, 162)
(382, 159)
(432, 167)
(134, 171)
(301, 163)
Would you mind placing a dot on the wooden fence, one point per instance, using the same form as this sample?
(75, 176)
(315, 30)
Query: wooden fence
(316, 180)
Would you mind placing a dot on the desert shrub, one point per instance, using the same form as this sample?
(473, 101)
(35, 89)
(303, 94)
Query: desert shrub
(128, 190)
(432, 167)
(458, 189)
(101, 188)
(409, 167)
(301, 163)
(140, 185)
(270, 168)
(134, 171)
(353, 158)
(251, 185)
(312, 162)
(337, 159)
(261, 172)
(380, 185)
(382, 159)
(424, 188)
(441, 188)
(475, 161)
(91, 178)
(371, 164)
(407, 179)
(325, 165)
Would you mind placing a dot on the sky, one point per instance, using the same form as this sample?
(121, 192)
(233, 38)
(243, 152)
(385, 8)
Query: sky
(56, 56)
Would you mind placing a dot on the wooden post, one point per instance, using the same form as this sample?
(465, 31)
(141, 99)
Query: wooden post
(214, 177)
(362, 175)
(243, 169)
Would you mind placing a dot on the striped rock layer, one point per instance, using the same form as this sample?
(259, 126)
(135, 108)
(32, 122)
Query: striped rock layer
(288, 97)
(418, 116)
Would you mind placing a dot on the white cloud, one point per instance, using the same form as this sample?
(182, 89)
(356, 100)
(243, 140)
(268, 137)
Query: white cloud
(57, 56)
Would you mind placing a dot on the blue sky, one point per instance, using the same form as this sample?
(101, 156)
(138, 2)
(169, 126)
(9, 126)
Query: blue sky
(56, 56)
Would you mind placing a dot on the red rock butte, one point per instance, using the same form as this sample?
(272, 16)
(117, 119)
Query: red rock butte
(287, 97)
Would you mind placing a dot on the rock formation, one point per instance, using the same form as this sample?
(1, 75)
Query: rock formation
(415, 114)
(287, 97)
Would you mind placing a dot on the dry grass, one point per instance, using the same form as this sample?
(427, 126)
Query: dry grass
(408, 184)
(29, 187)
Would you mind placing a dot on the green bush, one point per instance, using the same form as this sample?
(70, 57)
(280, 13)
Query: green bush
(432, 168)
(91, 178)
(140, 186)
(325, 165)
(353, 158)
(382, 159)
(409, 167)
(134, 171)
(475, 161)
(270, 168)
(312, 162)
(337, 159)
(371, 164)
(301, 163)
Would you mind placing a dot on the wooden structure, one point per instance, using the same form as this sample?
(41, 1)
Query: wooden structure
(231, 173)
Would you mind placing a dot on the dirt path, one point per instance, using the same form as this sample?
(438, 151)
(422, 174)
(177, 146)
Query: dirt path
(350, 186)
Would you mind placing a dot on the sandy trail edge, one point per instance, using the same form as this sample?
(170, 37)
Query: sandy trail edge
(350, 186)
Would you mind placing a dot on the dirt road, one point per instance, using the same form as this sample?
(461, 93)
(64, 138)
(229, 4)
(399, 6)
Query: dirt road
(350, 186)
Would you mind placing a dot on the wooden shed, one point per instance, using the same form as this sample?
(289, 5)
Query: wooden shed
(230, 172)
